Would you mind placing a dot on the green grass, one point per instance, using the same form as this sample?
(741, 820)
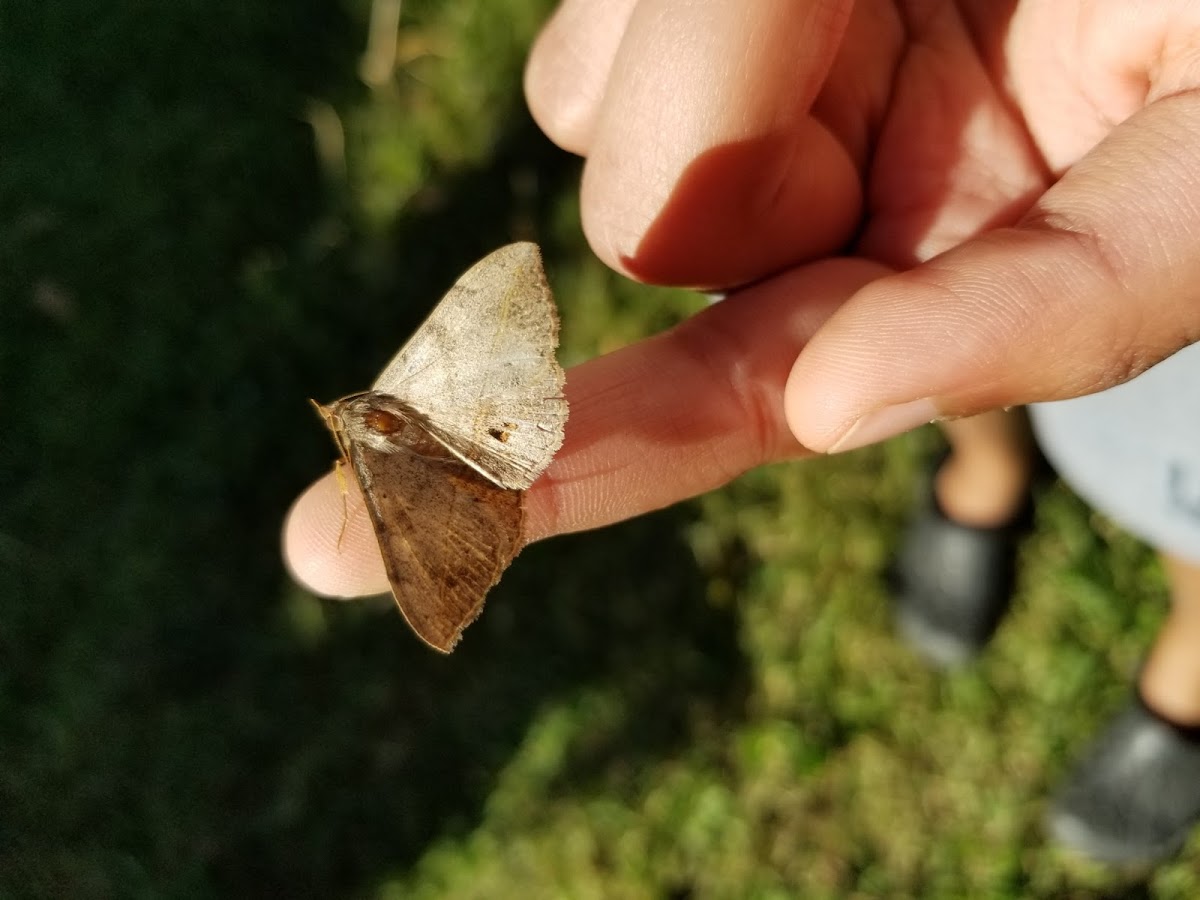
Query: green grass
(703, 703)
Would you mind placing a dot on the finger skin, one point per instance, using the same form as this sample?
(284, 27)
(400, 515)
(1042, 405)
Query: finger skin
(568, 68)
(705, 167)
(319, 554)
(651, 424)
(1094, 285)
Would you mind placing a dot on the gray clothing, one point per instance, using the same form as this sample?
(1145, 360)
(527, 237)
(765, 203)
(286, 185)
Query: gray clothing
(1133, 452)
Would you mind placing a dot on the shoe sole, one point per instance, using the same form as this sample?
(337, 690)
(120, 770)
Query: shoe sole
(944, 650)
(1074, 834)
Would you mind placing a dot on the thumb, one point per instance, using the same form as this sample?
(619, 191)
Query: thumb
(1099, 281)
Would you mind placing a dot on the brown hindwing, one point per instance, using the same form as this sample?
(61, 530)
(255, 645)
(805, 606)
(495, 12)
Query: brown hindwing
(446, 534)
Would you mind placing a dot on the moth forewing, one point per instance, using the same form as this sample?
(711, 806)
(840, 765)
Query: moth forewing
(462, 320)
(482, 368)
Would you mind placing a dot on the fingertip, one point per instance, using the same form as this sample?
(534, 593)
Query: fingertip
(568, 68)
(728, 216)
(560, 109)
(822, 391)
(704, 167)
(329, 545)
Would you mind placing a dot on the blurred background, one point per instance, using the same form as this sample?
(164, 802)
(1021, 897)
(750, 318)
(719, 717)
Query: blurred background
(213, 211)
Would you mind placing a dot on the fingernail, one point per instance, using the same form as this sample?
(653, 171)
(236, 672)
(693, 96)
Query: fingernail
(885, 423)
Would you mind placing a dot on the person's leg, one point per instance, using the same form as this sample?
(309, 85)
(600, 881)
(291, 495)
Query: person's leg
(1136, 794)
(953, 575)
(1170, 679)
(985, 480)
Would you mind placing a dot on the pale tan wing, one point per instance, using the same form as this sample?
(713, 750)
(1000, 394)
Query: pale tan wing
(482, 368)
(446, 534)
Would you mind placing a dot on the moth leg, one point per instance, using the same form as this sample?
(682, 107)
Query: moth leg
(340, 474)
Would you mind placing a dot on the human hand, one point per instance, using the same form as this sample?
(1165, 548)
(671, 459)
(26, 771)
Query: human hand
(1044, 150)
(1047, 151)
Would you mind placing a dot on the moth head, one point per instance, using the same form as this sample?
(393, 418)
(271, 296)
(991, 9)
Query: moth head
(330, 415)
(380, 421)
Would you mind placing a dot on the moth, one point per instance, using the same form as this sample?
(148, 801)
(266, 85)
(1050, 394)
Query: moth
(462, 420)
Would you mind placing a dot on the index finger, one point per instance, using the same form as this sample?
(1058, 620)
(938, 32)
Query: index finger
(651, 424)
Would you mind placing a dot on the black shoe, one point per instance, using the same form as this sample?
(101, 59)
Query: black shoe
(951, 584)
(1135, 796)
